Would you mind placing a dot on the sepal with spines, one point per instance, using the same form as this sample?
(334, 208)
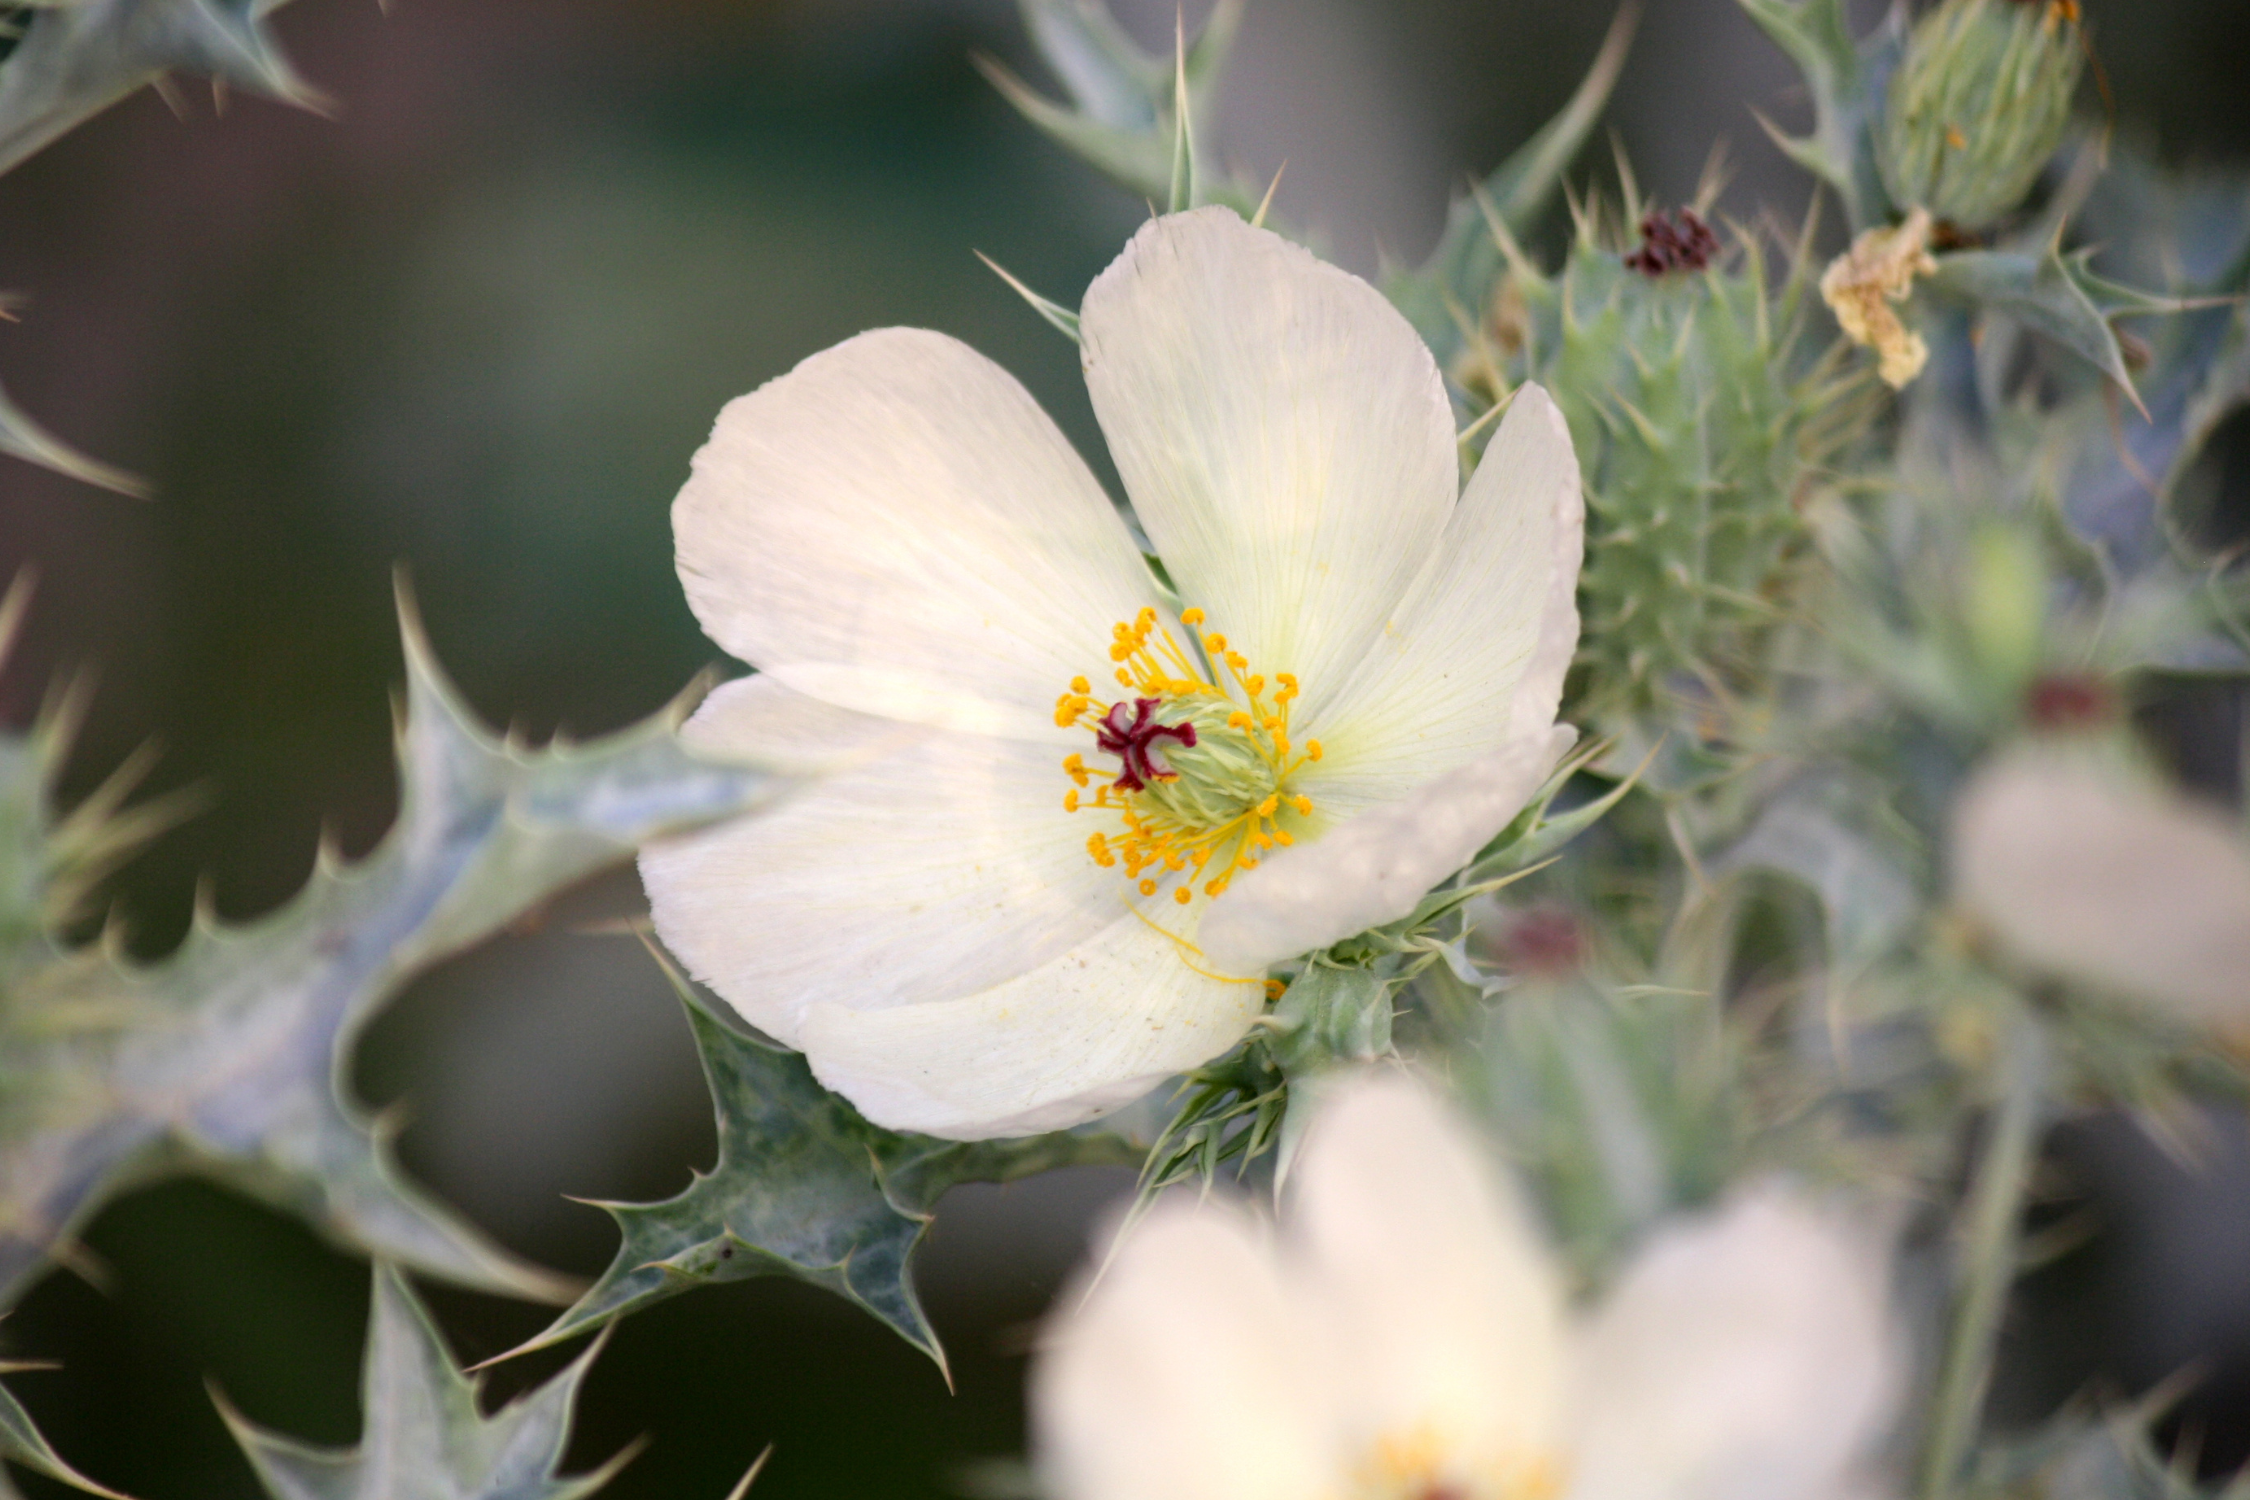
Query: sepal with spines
(1847, 77)
(228, 1058)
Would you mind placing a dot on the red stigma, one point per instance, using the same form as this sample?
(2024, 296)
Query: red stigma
(2069, 703)
(1677, 241)
(1130, 732)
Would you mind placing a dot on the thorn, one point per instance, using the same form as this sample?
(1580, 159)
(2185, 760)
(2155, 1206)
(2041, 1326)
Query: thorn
(1183, 125)
(757, 1467)
(170, 93)
(1054, 312)
(218, 95)
(1258, 221)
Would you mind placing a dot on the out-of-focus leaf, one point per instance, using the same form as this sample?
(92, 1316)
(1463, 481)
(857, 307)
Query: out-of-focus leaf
(2057, 296)
(1846, 78)
(21, 437)
(20, 1443)
(421, 1431)
(1124, 111)
(73, 61)
(804, 1188)
(1866, 884)
(226, 1058)
(1460, 272)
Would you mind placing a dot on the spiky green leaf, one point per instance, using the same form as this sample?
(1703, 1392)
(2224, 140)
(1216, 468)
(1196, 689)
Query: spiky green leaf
(1460, 272)
(422, 1432)
(227, 1058)
(21, 1443)
(803, 1188)
(1846, 77)
(2057, 295)
(73, 61)
(21, 437)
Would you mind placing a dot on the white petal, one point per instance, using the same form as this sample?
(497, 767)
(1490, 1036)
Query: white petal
(1282, 432)
(895, 526)
(1086, 1033)
(1478, 650)
(2084, 870)
(1375, 867)
(939, 865)
(1747, 1355)
(1182, 1376)
(1446, 1314)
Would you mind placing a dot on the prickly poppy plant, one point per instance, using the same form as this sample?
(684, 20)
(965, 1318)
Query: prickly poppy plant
(1578, 815)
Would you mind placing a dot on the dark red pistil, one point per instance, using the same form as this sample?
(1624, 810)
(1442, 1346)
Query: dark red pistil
(2069, 703)
(1677, 241)
(1130, 732)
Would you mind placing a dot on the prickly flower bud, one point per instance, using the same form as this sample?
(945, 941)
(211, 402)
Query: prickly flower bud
(1861, 284)
(1979, 105)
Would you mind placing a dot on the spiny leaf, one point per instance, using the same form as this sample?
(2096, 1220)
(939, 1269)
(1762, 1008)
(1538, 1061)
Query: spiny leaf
(1847, 79)
(21, 1443)
(422, 1432)
(226, 1058)
(73, 61)
(1470, 253)
(2056, 295)
(804, 1188)
(1128, 103)
(21, 437)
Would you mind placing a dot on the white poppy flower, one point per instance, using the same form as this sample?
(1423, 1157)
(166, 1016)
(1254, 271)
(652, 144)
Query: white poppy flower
(2083, 869)
(1073, 828)
(1405, 1337)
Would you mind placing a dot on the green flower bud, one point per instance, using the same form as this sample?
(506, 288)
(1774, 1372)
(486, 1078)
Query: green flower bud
(1979, 105)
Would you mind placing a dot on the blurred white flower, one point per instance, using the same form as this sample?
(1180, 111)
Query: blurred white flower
(1058, 858)
(1407, 1339)
(2084, 869)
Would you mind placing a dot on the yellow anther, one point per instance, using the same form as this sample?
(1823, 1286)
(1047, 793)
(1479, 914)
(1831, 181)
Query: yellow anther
(1191, 616)
(1215, 641)
(1237, 660)
(1148, 887)
(1267, 808)
(1312, 748)
(1080, 685)
(1287, 680)
(1183, 895)
(1238, 720)
(1070, 801)
(1274, 987)
(1124, 678)
(1281, 835)
(1215, 887)
(1303, 804)
(1256, 685)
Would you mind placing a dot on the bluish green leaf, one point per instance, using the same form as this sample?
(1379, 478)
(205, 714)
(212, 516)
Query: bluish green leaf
(73, 61)
(225, 1059)
(1460, 272)
(1846, 78)
(21, 437)
(21, 1443)
(422, 1433)
(803, 1188)
(2055, 295)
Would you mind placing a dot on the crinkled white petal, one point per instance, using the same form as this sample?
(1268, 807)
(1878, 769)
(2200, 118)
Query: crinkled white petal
(1282, 432)
(1376, 867)
(895, 526)
(1079, 1036)
(1443, 1312)
(1746, 1355)
(937, 865)
(2085, 871)
(1477, 651)
(1183, 1375)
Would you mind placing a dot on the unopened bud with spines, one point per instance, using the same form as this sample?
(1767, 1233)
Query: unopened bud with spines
(1978, 106)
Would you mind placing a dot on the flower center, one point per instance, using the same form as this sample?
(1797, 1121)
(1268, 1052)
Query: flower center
(1419, 1464)
(1204, 759)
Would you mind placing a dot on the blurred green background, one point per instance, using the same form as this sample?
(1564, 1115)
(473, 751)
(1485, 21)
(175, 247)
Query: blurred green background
(473, 327)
